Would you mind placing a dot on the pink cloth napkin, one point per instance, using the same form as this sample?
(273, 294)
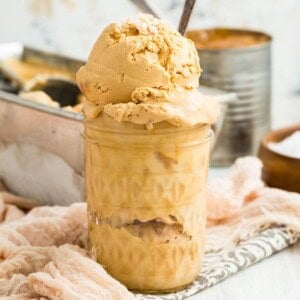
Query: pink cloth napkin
(240, 205)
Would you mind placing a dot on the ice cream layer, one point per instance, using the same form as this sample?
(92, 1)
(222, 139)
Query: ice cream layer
(185, 109)
(144, 72)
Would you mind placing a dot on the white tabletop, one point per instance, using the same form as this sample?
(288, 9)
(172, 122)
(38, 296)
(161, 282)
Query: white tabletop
(275, 278)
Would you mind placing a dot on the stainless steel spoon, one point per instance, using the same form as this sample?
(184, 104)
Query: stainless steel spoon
(145, 7)
(185, 16)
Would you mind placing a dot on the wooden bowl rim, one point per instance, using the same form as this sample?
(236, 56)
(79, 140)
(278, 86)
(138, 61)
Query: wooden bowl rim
(277, 136)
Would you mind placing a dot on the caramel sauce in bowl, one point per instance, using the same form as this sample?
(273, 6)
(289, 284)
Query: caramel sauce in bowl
(225, 38)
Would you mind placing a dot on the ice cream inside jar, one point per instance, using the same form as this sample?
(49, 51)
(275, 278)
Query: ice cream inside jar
(147, 134)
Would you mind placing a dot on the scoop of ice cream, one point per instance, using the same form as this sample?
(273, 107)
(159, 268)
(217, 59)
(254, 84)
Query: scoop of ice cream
(181, 108)
(144, 72)
(138, 53)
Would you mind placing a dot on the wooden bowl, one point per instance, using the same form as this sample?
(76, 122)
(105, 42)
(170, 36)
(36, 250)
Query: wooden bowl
(279, 170)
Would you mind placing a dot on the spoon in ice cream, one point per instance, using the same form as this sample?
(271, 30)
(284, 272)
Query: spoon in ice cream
(185, 16)
(63, 90)
(145, 7)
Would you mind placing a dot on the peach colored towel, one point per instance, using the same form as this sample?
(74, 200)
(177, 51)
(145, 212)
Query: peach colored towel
(40, 256)
(42, 253)
(240, 205)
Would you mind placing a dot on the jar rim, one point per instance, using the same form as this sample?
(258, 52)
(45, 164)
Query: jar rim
(137, 145)
(141, 131)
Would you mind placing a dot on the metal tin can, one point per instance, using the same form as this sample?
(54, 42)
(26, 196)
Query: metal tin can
(246, 70)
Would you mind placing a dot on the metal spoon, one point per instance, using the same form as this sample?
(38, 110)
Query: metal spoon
(145, 7)
(59, 88)
(186, 14)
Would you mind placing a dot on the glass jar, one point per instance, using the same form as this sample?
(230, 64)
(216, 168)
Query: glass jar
(147, 201)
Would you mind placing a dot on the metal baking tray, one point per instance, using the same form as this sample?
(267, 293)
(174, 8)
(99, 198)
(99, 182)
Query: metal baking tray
(40, 146)
(41, 149)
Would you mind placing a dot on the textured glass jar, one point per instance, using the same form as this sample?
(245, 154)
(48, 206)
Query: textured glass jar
(147, 202)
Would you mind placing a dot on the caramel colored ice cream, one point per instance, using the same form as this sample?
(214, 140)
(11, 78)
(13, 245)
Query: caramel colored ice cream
(146, 188)
(39, 97)
(24, 71)
(144, 72)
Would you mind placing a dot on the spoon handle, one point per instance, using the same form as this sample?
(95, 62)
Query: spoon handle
(145, 7)
(185, 17)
